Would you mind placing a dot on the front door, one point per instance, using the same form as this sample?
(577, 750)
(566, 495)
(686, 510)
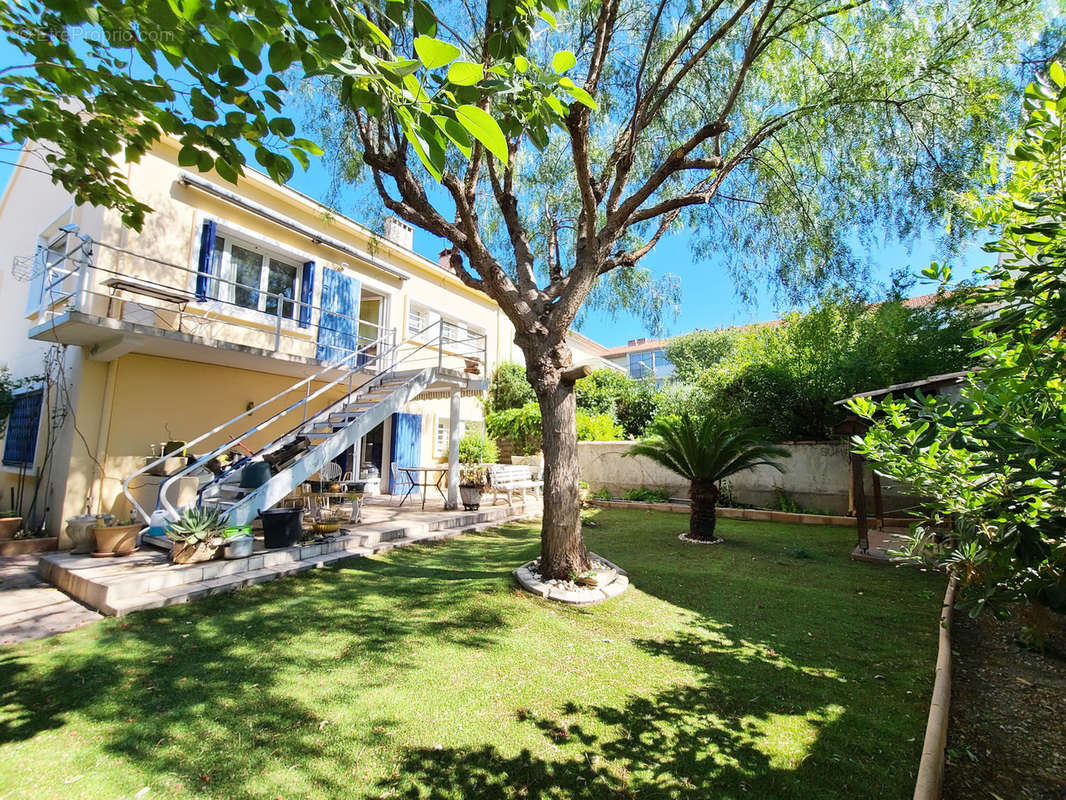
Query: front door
(406, 444)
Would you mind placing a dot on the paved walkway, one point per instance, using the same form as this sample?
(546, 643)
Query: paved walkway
(31, 608)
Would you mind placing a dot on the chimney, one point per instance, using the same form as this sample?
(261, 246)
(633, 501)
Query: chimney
(399, 232)
(635, 342)
(444, 259)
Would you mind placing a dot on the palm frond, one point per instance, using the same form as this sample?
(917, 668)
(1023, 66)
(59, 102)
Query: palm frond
(707, 448)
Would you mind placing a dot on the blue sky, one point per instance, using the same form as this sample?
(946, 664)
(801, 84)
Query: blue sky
(709, 297)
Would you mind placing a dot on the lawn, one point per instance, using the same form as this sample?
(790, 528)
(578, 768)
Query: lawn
(766, 667)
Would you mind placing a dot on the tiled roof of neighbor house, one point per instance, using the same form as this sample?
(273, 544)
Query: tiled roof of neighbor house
(640, 345)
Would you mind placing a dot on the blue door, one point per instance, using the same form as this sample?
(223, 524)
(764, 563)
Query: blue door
(406, 445)
(338, 328)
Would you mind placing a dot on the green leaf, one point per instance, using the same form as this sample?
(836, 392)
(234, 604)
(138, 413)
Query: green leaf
(434, 53)
(225, 170)
(331, 46)
(1057, 74)
(483, 128)
(188, 156)
(578, 93)
(465, 73)
(425, 21)
(308, 145)
(563, 60)
(521, 63)
(281, 54)
(282, 126)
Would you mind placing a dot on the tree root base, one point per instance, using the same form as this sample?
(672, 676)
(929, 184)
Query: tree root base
(693, 540)
(604, 581)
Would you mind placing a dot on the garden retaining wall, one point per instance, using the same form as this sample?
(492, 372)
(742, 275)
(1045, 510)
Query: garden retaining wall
(817, 477)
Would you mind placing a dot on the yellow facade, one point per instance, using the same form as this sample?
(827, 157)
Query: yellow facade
(138, 369)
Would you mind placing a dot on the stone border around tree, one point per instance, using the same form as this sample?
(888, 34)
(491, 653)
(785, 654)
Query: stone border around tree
(684, 537)
(582, 596)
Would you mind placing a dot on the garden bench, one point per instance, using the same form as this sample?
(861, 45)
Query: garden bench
(509, 479)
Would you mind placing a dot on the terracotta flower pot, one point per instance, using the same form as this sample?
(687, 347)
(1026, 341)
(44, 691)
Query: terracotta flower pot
(118, 539)
(9, 526)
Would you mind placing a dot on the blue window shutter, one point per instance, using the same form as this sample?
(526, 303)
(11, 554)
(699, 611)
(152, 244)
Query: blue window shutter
(307, 293)
(338, 330)
(406, 450)
(20, 446)
(207, 250)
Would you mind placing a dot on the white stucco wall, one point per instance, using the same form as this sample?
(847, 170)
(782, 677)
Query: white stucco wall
(817, 476)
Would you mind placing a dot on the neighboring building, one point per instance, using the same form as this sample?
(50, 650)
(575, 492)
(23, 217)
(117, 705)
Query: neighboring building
(642, 358)
(229, 296)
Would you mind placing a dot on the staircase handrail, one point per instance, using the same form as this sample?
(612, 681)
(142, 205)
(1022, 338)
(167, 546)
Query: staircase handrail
(304, 402)
(222, 426)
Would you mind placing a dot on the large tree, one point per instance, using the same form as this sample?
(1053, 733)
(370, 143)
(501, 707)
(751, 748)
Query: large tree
(782, 129)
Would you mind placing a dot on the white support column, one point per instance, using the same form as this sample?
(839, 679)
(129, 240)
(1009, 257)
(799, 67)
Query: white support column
(453, 452)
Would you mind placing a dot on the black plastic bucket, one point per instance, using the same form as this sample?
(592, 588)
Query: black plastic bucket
(281, 526)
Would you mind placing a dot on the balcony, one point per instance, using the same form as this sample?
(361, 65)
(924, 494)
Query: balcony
(112, 301)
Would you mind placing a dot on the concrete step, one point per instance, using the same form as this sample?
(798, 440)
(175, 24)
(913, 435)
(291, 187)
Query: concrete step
(147, 579)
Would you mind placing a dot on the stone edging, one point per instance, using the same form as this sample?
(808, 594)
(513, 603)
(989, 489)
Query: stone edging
(585, 596)
(760, 514)
(930, 781)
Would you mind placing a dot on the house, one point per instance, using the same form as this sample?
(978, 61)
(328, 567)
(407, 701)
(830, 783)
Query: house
(642, 358)
(242, 320)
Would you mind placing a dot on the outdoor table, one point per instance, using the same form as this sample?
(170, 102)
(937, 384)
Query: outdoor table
(419, 477)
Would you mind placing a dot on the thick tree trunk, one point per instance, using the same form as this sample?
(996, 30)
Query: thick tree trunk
(562, 550)
(703, 518)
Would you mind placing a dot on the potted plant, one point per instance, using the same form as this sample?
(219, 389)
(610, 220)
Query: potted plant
(471, 484)
(10, 522)
(197, 536)
(237, 541)
(116, 537)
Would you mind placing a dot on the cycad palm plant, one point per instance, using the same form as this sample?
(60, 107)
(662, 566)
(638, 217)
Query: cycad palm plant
(706, 450)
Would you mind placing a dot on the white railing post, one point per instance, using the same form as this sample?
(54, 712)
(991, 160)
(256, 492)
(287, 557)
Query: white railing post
(440, 345)
(277, 324)
(82, 292)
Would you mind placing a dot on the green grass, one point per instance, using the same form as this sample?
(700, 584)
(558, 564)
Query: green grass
(726, 671)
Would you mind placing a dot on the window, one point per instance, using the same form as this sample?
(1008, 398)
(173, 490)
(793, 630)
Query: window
(441, 441)
(417, 319)
(20, 446)
(452, 331)
(639, 365)
(258, 281)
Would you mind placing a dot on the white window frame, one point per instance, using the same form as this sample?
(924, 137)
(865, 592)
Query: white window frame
(442, 437)
(268, 248)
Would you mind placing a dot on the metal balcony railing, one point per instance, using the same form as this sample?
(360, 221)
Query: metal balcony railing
(162, 294)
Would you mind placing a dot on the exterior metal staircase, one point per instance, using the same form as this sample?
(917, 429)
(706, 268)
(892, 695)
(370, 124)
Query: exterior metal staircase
(376, 381)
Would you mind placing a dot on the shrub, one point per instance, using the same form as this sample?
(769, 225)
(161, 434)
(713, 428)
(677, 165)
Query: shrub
(992, 461)
(645, 495)
(476, 448)
(522, 427)
(597, 427)
(787, 377)
(509, 388)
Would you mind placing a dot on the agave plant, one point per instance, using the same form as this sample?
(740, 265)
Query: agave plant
(704, 451)
(196, 525)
